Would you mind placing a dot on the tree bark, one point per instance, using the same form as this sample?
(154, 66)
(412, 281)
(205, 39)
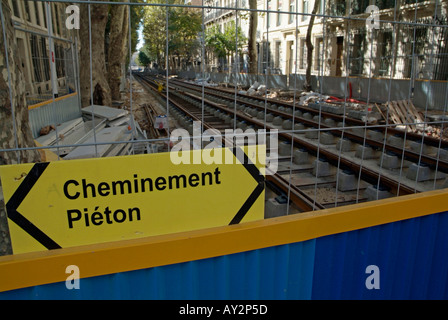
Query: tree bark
(117, 48)
(309, 45)
(18, 104)
(252, 43)
(101, 89)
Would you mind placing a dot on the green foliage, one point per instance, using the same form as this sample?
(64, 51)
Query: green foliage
(143, 59)
(184, 25)
(223, 44)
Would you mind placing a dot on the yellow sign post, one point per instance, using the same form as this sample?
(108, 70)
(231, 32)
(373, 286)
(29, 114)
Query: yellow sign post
(62, 204)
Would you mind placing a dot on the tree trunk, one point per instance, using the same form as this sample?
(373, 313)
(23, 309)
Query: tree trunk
(101, 89)
(117, 48)
(252, 43)
(17, 91)
(310, 47)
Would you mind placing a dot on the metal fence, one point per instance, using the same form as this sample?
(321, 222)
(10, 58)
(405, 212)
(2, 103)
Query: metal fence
(372, 126)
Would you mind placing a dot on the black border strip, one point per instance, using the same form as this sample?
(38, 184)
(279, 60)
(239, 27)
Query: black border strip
(256, 174)
(17, 198)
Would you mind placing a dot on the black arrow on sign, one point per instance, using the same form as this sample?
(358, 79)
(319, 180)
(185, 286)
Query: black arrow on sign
(17, 198)
(259, 178)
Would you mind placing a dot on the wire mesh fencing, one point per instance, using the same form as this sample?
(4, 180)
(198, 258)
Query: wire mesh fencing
(355, 91)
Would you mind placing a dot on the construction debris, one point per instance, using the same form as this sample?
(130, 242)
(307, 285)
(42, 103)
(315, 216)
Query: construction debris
(102, 132)
(404, 113)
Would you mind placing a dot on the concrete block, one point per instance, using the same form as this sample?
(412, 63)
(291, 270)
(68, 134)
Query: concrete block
(326, 138)
(308, 115)
(330, 122)
(241, 125)
(396, 141)
(321, 168)
(300, 156)
(365, 152)
(347, 145)
(418, 172)
(445, 183)
(390, 161)
(375, 135)
(318, 119)
(359, 131)
(269, 117)
(299, 126)
(288, 110)
(372, 193)
(278, 120)
(274, 208)
(416, 146)
(284, 148)
(311, 133)
(443, 154)
(287, 124)
(347, 180)
(298, 113)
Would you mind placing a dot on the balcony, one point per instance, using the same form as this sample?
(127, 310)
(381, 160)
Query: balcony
(213, 14)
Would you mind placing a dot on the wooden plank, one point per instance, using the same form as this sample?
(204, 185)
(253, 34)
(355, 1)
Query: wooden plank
(405, 109)
(407, 117)
(393, 113)
(415, 111)
(381, 112)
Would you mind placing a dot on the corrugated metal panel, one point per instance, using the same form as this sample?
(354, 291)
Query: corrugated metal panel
(54, 113)
(411, 255)
(281, 272)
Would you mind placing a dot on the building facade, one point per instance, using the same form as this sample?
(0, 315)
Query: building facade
(409, 43)
(46, 47)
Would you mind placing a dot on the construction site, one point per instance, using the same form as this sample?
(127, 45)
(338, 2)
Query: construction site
(302, 143)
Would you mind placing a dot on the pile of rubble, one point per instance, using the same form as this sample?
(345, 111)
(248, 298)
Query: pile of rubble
(102, 131)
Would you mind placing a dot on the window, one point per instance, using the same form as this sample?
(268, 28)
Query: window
(44, 10)
(60, 66)
(385, 4)
(305, 8)
(413, 1)
(279, 15)
(303, 53)
(291, 11)
(359, 6)
(27, 10)
(319, 53)
(36, 59)
(358, 49)
(36, 11)
(56, 20)
(277, 54)
(45, 61)
(386, 52)
(15, 8)
(269, 16)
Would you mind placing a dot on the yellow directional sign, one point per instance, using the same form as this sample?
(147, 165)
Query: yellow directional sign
(62, 204)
